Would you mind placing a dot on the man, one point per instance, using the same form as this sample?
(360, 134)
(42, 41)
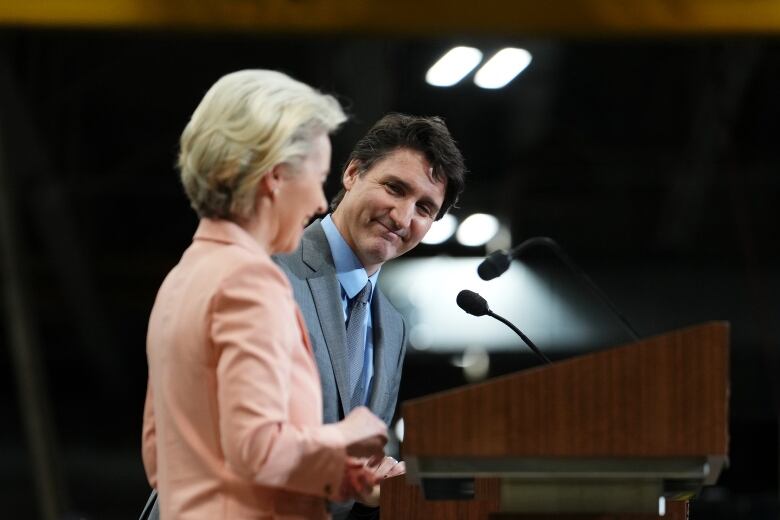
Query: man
(404, 174)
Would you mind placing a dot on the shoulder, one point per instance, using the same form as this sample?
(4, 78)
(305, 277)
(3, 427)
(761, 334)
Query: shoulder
(255, 273)
(293, 266)
(311, 256)
(289, 262)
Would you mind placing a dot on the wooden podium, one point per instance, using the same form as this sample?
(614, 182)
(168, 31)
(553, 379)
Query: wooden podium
(614, 434)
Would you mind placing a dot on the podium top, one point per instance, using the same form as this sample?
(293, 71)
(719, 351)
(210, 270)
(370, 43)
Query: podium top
(664, 396)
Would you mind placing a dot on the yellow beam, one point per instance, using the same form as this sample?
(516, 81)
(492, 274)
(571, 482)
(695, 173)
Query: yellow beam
(407, 17)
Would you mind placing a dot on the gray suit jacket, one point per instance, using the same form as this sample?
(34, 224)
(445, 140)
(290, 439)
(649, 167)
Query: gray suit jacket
(313, 278)
(312, 274)
(318, 293)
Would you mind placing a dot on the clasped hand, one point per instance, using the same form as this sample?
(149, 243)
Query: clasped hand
(366, 465)
(363, 478)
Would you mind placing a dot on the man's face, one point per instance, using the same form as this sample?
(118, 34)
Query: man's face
(387, 211)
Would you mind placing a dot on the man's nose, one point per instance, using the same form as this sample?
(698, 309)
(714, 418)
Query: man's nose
(402, 214)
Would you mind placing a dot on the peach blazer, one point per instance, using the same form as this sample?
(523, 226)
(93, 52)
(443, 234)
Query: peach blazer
(233, 414)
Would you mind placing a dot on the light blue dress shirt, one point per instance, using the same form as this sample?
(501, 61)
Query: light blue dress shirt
(352, 278)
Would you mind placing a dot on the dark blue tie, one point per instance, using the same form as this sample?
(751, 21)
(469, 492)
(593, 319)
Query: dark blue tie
(356, 345)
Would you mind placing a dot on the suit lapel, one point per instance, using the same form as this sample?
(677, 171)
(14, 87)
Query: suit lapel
(387, 332)
(325, 285)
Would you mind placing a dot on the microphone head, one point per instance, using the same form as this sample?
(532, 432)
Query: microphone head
(472, 303)
(494, 265)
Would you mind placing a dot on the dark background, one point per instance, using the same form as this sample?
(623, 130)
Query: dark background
(653, 160)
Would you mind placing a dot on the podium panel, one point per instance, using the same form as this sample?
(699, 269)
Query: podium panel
(401, 500)
(621, 431)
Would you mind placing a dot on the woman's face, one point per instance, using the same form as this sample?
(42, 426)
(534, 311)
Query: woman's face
(300, 195)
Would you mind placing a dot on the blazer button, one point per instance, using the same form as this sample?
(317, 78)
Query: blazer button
(327, 489)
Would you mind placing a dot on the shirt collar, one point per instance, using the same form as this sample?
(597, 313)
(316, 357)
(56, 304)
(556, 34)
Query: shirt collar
(350, 272)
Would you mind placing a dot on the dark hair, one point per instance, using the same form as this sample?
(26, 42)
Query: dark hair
(427, 135)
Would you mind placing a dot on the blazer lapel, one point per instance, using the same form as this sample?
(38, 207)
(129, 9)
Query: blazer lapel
(387, 332)
(325, 285)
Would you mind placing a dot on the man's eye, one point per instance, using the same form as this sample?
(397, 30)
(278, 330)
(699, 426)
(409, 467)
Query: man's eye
(393, 187)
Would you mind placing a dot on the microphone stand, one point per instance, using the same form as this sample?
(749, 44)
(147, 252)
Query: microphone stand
(561, 254)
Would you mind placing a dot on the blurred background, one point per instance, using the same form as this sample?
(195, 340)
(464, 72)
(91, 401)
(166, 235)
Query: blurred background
(643, 138)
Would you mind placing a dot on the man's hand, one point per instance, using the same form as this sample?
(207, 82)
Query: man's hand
(387, 467)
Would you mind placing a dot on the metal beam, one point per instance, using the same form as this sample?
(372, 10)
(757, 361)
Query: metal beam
(407, 17)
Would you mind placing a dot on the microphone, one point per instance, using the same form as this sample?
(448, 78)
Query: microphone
(476, 305)
(472, 303)
(498, 262)
(495, 264)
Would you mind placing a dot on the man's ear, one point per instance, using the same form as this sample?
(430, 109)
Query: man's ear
(351, 173)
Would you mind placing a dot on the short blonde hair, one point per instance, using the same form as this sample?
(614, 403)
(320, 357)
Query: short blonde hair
(248, 122)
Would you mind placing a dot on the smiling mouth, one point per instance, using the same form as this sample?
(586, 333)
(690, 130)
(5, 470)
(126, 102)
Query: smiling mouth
(388, 233)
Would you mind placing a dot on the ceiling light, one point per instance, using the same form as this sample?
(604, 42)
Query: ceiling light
(441, 230)
(502, 68)
(477, 229)
(453, 66)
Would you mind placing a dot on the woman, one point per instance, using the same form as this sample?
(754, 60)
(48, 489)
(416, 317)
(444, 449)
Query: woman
(233, 421)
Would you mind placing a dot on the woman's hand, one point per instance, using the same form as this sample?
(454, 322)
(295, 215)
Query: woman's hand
(365, 433)
(358, 483)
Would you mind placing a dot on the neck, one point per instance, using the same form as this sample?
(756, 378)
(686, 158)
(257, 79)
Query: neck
(339, 223)
(262, 226)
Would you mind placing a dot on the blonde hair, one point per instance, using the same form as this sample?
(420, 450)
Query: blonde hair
(248, 122)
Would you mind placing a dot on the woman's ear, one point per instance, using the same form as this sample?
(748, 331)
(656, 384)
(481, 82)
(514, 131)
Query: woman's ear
(270, 182)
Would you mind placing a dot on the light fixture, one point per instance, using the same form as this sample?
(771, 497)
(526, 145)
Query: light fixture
(453, 66)
(475, 363)
(399, 430)
(441, 230)
(502, 68)
(477, 229)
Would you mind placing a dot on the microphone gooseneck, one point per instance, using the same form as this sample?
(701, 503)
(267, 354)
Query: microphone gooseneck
(525, 338)
(476, 305)
(498, 262)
